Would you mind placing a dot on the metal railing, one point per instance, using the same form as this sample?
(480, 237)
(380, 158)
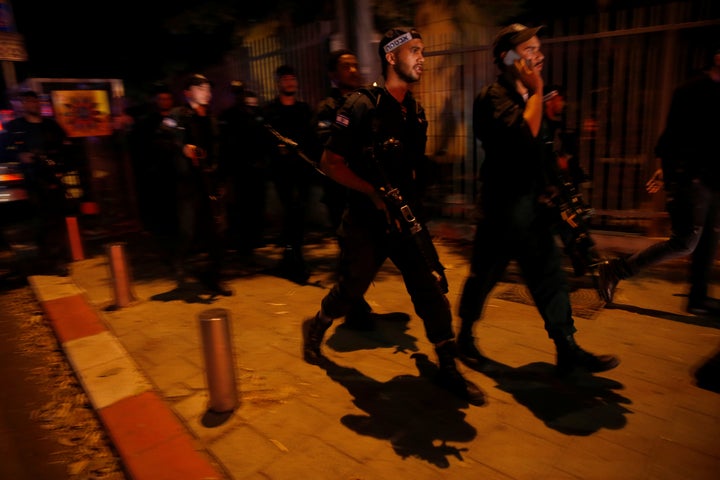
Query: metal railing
(618, 68)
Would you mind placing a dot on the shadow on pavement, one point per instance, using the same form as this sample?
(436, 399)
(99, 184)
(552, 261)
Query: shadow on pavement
(192, 293)
(580, 404)
(390, 331)
(707, 375)
(212, 419)
(418, 418)
(701, 321)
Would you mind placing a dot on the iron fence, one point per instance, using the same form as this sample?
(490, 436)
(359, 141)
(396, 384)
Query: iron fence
(618, 69)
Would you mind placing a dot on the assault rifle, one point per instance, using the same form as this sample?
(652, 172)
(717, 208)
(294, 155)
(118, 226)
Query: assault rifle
(405, 222)
(575, 231)
(293, 145)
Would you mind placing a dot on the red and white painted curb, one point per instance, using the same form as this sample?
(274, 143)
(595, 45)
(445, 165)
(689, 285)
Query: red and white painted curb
(151, 440)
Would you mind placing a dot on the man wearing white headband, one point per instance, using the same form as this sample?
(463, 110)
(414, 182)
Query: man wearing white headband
(377, 150)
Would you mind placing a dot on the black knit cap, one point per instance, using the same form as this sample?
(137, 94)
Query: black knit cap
(160, 87)
(511, 36)
(27, 94)
(283, 70)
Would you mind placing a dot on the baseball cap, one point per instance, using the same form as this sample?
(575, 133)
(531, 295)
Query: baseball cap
(196, 80)
(511, 36)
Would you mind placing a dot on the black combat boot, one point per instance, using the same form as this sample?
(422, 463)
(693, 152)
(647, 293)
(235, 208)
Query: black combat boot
(468, 353)
(293, 266)
(451, 379)
(181, 276)
(216, 287)
(313, 332)
(571, 357)
(609, 274)
(212, 283)
(360, 317)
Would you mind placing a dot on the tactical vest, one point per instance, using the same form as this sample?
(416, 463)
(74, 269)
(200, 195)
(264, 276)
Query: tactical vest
(397, 137)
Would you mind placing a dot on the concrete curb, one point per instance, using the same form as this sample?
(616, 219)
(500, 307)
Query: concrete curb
(151, 440)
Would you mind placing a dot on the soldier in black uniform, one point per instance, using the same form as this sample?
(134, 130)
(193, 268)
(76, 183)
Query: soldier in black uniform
(377, 142)
(42, 149)
(507, 116)
(201, 216)
(243, 164)
(290, 173)
(565, 175)
(344, 73)
(153, 158)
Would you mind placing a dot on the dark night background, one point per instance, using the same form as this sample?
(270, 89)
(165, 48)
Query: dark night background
(130, 39)
(138, 41)
(142, 41)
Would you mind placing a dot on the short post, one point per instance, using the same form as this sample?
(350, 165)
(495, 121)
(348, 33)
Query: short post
(120, 274)
(219, 366)
(76, 248)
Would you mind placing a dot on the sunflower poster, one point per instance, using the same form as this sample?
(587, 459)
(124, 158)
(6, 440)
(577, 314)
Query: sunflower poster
(83, 113)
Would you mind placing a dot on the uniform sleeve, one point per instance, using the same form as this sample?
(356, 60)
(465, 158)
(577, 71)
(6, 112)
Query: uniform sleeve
(324, 119)
(172, 132)
(498, 120)
(345, 134)
(312, 143)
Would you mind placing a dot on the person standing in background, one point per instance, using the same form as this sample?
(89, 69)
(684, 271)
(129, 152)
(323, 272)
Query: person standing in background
(201, 217)
(153, 163)
(243, 165)
(344, 73)
(565, 177)
(42, 150)
(291, 174)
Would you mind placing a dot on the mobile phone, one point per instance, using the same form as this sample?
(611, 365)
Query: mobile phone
(510, 57)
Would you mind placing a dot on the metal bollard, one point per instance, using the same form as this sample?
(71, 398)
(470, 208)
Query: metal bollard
(120, 274)
(76, 248)
(219, 366)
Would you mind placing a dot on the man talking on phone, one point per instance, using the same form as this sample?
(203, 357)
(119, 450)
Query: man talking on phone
(512, 225)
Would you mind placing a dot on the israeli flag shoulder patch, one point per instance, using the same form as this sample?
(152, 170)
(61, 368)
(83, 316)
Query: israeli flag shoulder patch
(169, 122)
(342, 120)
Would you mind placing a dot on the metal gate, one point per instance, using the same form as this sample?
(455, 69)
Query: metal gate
(619, 69)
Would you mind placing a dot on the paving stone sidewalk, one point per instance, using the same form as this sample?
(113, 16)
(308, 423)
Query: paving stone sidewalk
(373, 411)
